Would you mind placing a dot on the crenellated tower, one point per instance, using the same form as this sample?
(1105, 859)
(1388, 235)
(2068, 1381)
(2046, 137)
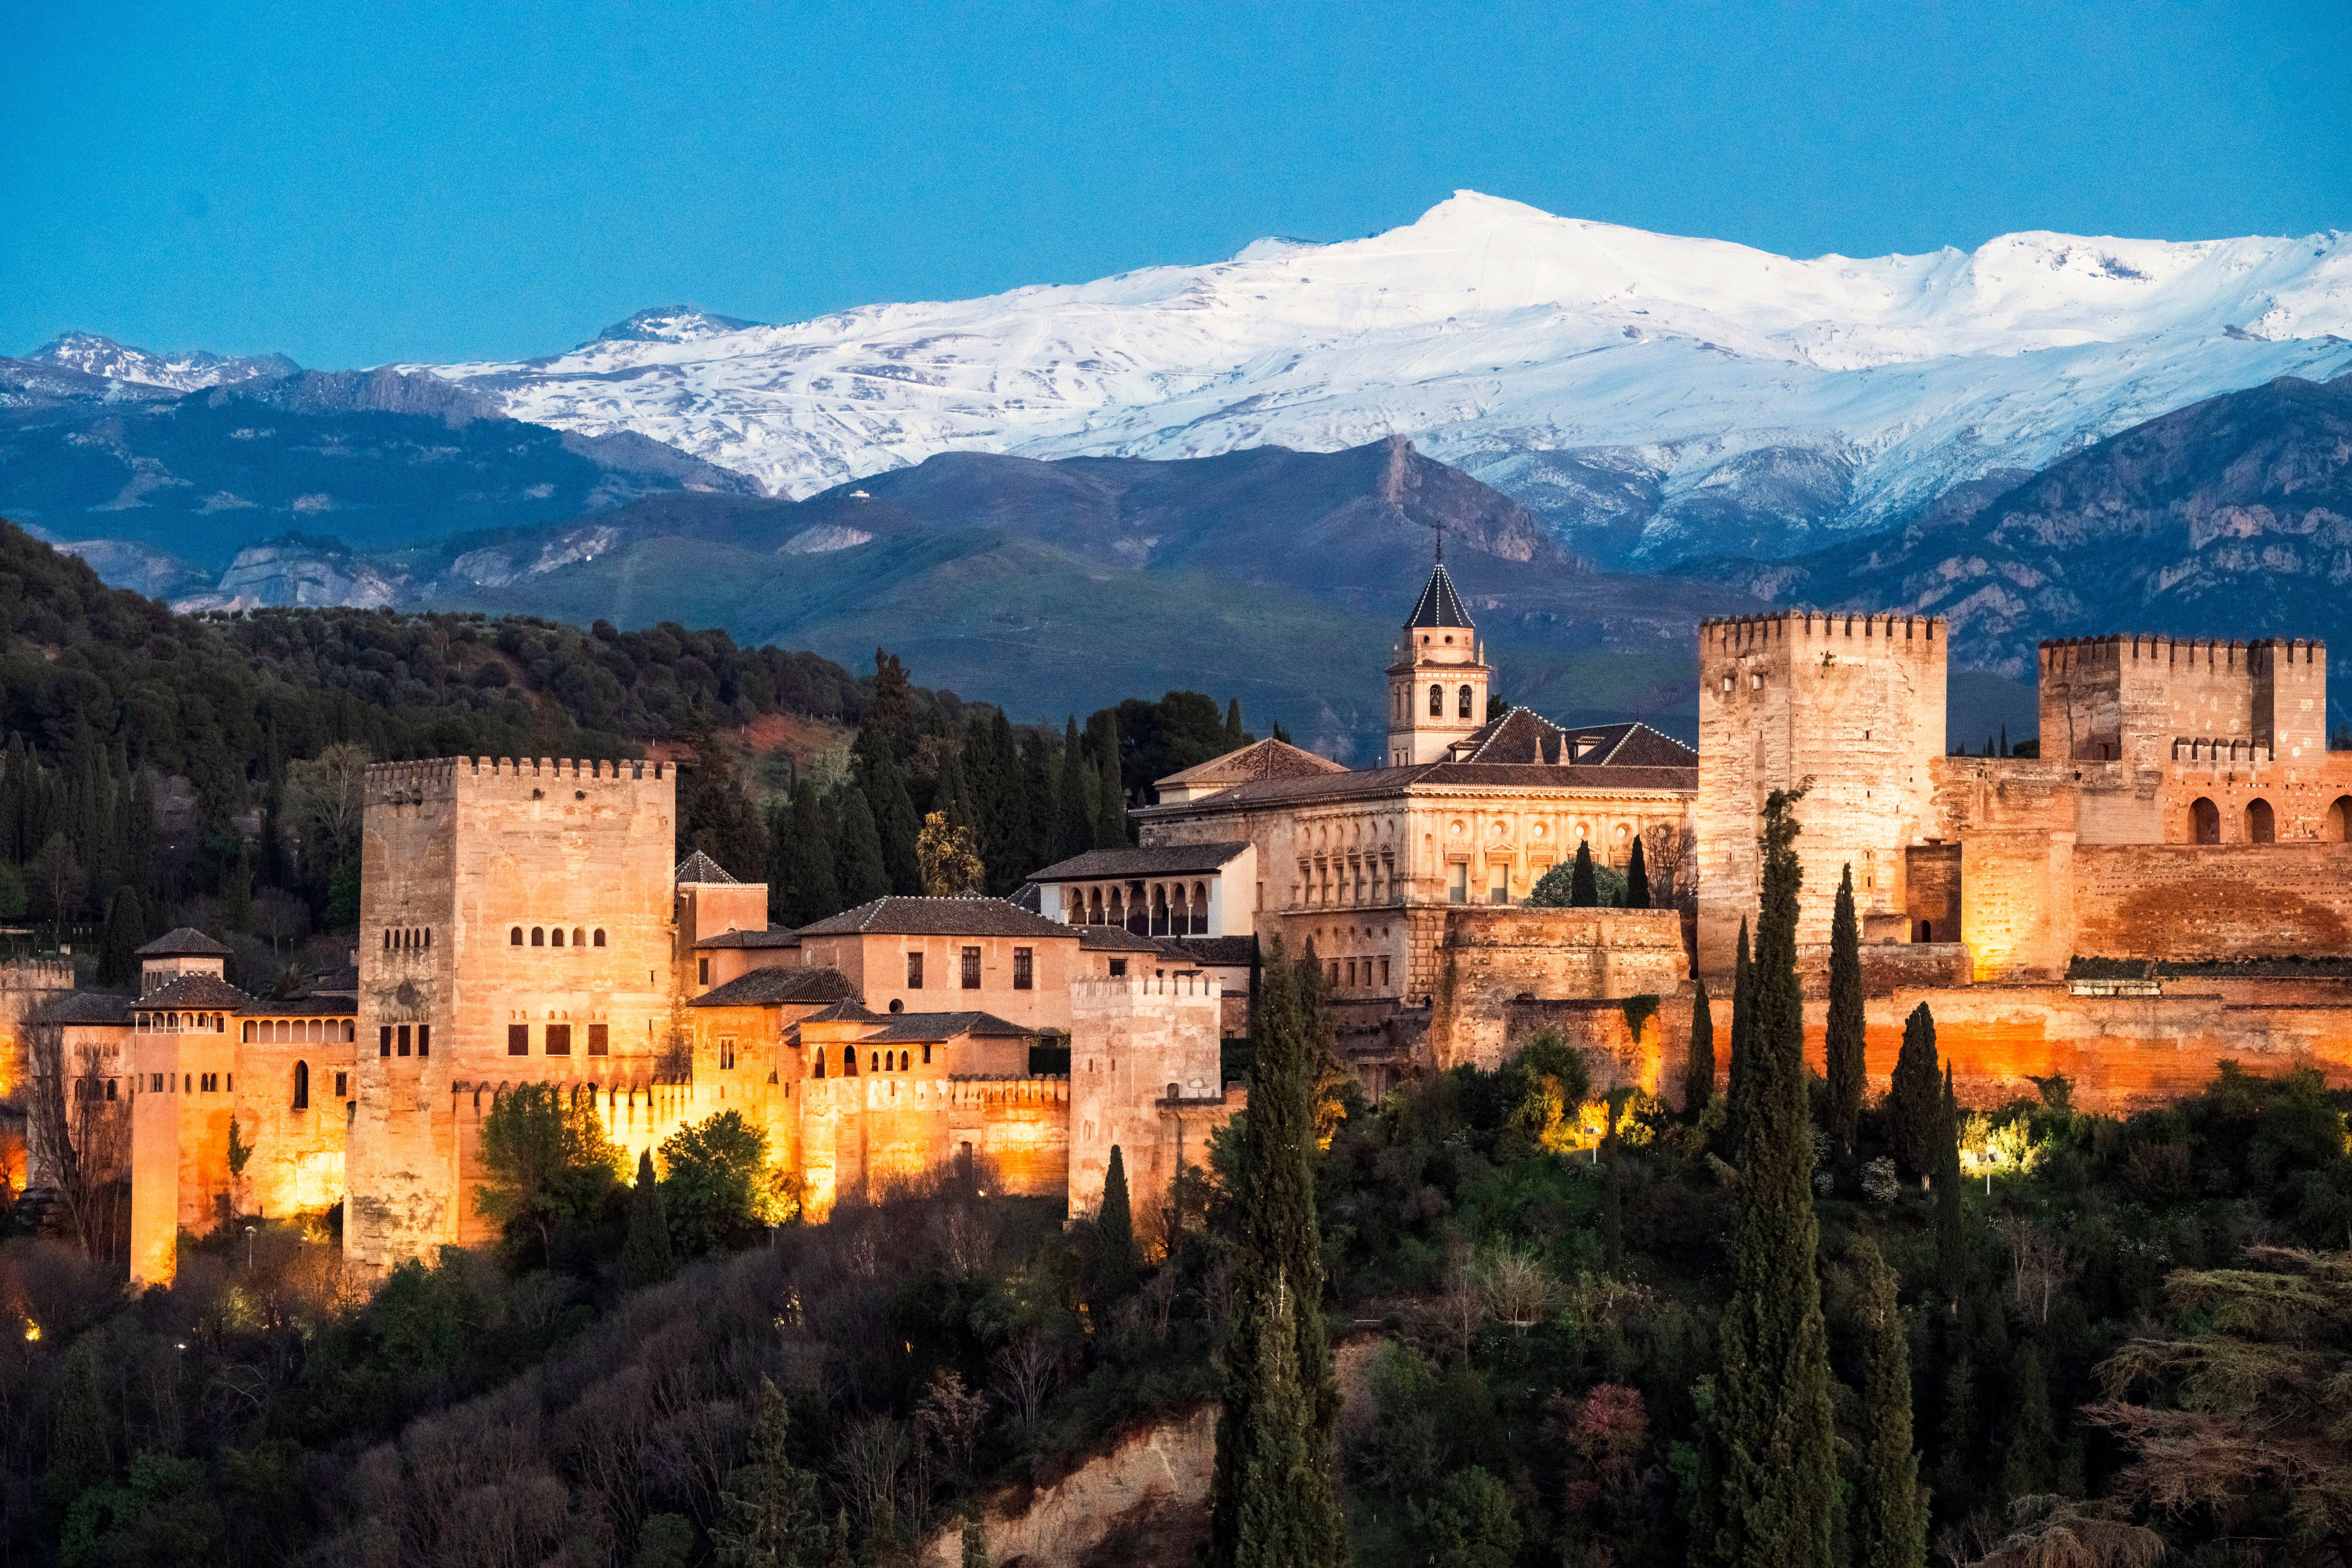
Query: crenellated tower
(1437, 677)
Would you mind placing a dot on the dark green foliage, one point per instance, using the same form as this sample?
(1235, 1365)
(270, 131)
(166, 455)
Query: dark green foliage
(771, 1512)
(1772, 1437)
(1844, 1043)
(2029, 1459)
(1112, 1260)
(1584, 893)
(1612, 1198)
(803, 879)
(1888, 1518)
(1077, 820)
(1951, 1241)
(1235, 737)
(1637, 878)
(1915, 1100)
(645, 1257)
(344, 896)
(1270, 1503)
(549, 1162)
(895, 825)
(159, 1517)
(1699, 1068)
(862, 875)
(716, 1191)
(126, 933)
(1743, 1036)
(714, 812)
(1110, 819)
(665, 1541)
(1470, 1524)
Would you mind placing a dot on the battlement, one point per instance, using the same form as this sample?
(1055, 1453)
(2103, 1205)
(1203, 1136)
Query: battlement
(441, 778)
(1732, 633)
(2252, 654)
(1102, 991)
(2135, 696)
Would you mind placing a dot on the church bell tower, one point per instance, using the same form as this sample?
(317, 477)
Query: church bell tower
(1437, 681)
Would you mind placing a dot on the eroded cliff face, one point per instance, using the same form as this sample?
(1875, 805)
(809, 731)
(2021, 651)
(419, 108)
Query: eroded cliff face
(1144, 1502)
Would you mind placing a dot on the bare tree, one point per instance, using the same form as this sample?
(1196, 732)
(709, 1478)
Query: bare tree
(873, 1464)
(62, 881)
(1668, 850)
(1465, 1296)
(1027, 1369)
(280, 916)
(79, 1136)
(947, 1420)
(2037, 1268)
(1516, 1287)
(324, 800)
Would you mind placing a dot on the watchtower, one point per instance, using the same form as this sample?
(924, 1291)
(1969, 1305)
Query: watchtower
(1437, 677)
(2135, 697)
(1853, 703)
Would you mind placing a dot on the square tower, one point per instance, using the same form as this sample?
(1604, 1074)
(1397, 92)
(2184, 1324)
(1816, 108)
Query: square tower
(1854, 704)
(515, 927)
(1437, 680)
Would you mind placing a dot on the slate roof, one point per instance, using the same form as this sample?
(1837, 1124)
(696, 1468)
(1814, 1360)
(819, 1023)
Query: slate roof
(1213, 951)
(1113, 939)
(919, 1026)
(84, 1008)
(770, 938)
(779, 986)
(183, 941)
(1266, 759)
(850, 1010)
(700, 868)
(343, 981)
(206, 992)
(967, 915)
(1152, 861)
(1439, 605)
(1377, 783)
(1523, 735)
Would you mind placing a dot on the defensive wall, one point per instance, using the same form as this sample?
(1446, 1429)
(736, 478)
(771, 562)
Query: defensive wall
(1145, 1078)
(1491, 955)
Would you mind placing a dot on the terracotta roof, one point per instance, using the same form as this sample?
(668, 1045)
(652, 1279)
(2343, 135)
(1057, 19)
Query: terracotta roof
(968, 915)
(205, 993)
(945, 1027)
(770, 938)
(1375, 783)
(1216, 952)
(1151, 860)
(1439, 605)
(1113, 939)
(84, 1008)
(848, 1010)
(779, 986)
(1267, 759)
(183, 941)
(700, 868)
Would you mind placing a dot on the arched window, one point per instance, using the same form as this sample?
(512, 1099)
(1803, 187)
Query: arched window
(2204, 822)
(2339, 821)
(514, 937)
(874, 1060)
(579, 937)
(820, 1065)
(539, 936)
(428, 936)
(2262, 823)
(558, 940)
(1465, 703)
(598, 936)
(849, 1061)
(1926, 930)
(387, 939)
(301, 1086)
(1437, 702)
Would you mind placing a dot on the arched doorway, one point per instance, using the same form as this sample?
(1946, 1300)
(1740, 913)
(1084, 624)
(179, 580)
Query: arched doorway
(1926, 930)
(2204, 822)
(2262, 823)
(2339, 821)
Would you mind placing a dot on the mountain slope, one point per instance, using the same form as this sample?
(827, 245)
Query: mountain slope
(2231, 517)
(1649, 397)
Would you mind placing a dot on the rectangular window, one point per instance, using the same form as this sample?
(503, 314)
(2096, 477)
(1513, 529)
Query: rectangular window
(1499, 883)
(1334, 981)
(342, 1086)
(383, 1041)
(600, 1039)
(1351, 975)
(518, 1040)
(1119, 969)
(972, 969)
(559, 1039)
(927, 1054)
(727, 1050)
(702, 972)
(423, 1039)
(914, 971)
(154, 1083)
(1384, 973)
(402, 1040)
(1457, 882)
(1024, 968)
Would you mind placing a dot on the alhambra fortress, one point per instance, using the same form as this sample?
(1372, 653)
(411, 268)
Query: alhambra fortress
(524, 921)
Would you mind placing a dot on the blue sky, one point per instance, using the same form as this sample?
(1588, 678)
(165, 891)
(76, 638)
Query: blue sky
(356, 184)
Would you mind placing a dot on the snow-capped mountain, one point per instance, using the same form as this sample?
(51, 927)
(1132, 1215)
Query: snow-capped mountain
(1651, 396)
(94, 356)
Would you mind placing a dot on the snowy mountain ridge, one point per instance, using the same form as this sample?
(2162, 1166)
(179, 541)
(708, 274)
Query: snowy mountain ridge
(185, 372)
(1649, 397)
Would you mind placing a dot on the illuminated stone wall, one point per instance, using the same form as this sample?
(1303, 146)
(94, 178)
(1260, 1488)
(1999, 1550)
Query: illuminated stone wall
(1492, 956)
(1144, 1076)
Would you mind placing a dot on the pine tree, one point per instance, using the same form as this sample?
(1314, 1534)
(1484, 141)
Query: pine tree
(1113, 1260)
(1270, 1499)
(1915, 1100)
(1110, 826)
(1743, 1033)
(1698, 1068)
(1889, 1522)
(1637, 878)
(864, 877)
(1844, 1044)
(2030, 1448)
(1584, 888)
(1772, 1432)
(1077, 824)
(126, 933)
(771, 1515)
(1951, 1243)
(645, 1254)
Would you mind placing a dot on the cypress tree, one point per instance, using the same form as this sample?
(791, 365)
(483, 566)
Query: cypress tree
(1039, 806)
(1637, 878)
(2030, 1451)
(645, 1254)
(1844, 1045)
(126, 932)
(895, 822)
(1110, 826)
(1698, 1068)
(864, 877)
(1077, 822)
(1743, 1032)
(1612, 1198)
(1951, 1243)
(1890, 1508)
(1322, 1026)
(1114, 1239)
(804, 864)
(237, 892)
(1236, 736)
(1915, 1101)
(1772, 1432)
(1270, 1499)
(1583, 887)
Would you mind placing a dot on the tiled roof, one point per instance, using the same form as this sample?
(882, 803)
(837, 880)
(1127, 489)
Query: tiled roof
(1113, 939)
(1266, 759)
(963, 916)
(194, 992)
(945, 1027)
(1151, 860)
(770, 938)
(1439, 605)
(849, 1011)
(700, 868)
(343, 981)
(183, 941)
(780, 985)
(1380, 784)
(84, 1008)
(310, 1006)
(1523, 735)
(1216, 952)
